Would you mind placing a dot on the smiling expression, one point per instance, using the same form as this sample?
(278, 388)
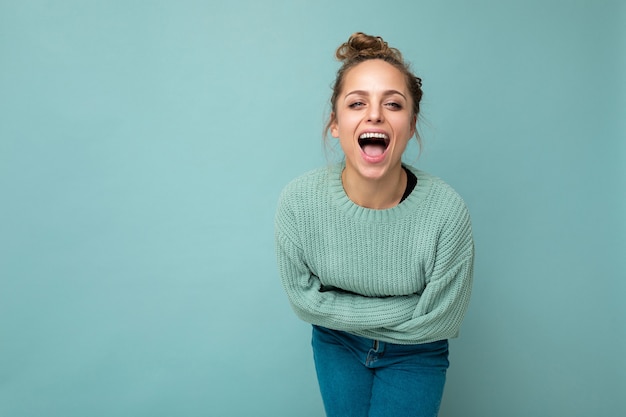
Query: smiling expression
(374, 119)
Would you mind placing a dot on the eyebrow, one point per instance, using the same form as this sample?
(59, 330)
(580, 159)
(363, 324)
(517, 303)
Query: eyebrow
(365, 93)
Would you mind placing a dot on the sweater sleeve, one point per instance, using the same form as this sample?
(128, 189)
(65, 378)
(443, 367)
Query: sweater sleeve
(442, 305)
(333, 309)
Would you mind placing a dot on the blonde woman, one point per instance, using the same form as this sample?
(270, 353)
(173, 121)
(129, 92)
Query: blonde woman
(376, 254)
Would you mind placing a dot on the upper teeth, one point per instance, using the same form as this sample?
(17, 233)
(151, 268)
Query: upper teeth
(371, 135)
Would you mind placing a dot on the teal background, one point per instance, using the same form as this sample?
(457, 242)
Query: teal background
(143, 145)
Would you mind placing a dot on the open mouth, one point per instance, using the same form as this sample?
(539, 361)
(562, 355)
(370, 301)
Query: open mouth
(373, 144)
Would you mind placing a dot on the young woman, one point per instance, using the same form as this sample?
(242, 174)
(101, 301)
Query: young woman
(375, 254)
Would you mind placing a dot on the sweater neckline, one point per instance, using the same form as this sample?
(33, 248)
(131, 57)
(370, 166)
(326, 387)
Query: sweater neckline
(351, 209)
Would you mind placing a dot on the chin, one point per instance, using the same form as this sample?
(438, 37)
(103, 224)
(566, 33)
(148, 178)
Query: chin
(373, 172)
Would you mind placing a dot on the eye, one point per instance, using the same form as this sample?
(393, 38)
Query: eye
(356, 105)
(394, 106)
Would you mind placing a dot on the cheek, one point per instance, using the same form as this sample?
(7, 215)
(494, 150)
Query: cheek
(339, 126)
(404, 126)
(410, 126)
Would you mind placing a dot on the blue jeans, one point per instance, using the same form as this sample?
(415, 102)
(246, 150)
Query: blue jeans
(369, 378)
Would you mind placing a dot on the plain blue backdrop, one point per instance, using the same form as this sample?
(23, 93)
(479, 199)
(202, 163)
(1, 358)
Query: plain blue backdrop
(143, 145)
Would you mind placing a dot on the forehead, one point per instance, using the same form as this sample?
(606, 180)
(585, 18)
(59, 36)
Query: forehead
(374, 75)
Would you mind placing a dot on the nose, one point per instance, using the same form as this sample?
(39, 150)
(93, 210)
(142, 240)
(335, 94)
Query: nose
(374, 114)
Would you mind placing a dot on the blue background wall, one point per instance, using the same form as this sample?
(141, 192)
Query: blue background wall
(143, 145)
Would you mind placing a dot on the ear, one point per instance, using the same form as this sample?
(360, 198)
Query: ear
(413, 124)
(334, 129)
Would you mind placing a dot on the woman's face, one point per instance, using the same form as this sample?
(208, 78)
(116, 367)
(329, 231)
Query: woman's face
(373, 119)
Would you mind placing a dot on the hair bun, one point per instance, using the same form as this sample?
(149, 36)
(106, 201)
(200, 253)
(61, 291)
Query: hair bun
(360, 45)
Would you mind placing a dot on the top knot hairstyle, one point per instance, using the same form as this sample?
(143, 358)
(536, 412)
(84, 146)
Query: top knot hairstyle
(361, 47)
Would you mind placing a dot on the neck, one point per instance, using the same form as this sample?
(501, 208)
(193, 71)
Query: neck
(378, 194)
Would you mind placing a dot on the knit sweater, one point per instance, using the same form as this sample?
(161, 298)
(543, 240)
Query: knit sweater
(400, 275)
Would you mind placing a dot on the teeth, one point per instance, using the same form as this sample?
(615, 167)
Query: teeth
(372, 135)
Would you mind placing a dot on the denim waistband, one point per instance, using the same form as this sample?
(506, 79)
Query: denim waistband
(371, 352)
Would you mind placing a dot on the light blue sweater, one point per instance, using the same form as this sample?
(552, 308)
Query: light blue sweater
(401, 275)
